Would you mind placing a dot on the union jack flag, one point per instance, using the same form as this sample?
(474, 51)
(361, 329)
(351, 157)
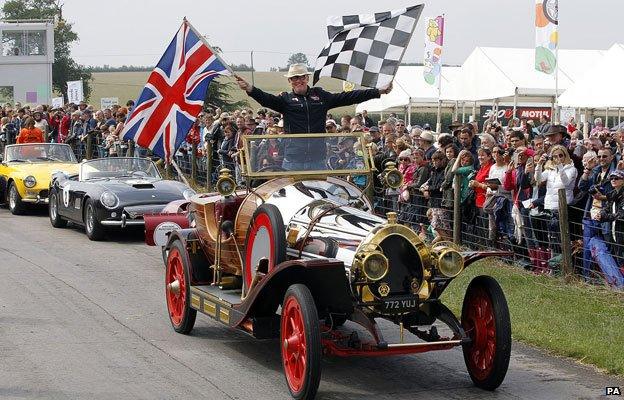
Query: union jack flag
(174, 94)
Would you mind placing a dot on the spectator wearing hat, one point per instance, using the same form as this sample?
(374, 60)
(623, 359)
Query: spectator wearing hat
(597, 184)
(376, 136)
(425, 142)
(304, 110)
(330, 126)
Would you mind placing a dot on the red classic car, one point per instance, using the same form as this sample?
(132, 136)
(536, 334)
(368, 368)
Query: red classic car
(296, 253)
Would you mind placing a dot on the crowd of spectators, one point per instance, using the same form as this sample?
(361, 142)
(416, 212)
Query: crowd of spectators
(73, 124)
(510, 176)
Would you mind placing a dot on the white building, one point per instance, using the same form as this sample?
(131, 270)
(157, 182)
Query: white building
(26, 58)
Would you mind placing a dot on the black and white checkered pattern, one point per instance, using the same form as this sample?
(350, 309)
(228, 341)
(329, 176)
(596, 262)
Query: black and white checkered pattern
(367, 49)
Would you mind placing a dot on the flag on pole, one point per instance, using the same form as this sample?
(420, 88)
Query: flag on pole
(546, 35)
(367, 49)
(174, 94)
(434, 39)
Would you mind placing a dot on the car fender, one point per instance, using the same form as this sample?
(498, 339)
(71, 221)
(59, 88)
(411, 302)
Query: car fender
(470, 257)
(326, 279)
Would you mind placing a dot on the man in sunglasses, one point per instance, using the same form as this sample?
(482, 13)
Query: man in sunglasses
(597, 184)
(305, 109)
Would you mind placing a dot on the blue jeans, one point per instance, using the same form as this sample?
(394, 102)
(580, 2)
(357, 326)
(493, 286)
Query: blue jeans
(289, 165)
(600, 252)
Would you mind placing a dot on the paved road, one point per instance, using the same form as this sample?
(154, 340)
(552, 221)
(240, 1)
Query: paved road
(85, 320)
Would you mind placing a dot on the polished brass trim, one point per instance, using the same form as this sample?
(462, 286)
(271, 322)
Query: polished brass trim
(224, 315)
(443, 252)
(366, 259)
(210, 308)
(195, 301)
(248, 171)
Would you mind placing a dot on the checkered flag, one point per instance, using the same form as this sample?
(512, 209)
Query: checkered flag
(367, 49)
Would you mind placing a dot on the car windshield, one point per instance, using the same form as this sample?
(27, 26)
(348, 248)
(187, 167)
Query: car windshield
(305, 154)
(118, 167)
(39, 152)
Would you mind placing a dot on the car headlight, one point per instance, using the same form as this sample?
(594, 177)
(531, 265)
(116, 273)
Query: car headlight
(375, 266)
(30, 181)
(226, 186)
(188, 193)
(450, 263)
(109, 200)
(394, 179)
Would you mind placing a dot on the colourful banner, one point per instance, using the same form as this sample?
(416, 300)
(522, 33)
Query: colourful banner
(434, 39)
(546, 35)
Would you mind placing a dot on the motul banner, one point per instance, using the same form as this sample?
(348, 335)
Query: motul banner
(505, 112)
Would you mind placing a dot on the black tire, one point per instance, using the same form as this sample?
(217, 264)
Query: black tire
(269, 217)
(485, 318)
(53, 211)
(14, 200)
(302, 385)
(94, 229)
(182, 319)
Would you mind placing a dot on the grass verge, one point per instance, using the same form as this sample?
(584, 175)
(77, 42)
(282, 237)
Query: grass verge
(573, 320)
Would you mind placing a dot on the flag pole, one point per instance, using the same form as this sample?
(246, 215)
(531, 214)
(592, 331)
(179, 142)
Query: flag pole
(203, 39)
(556, 116)
(179, 171)
(439, 119)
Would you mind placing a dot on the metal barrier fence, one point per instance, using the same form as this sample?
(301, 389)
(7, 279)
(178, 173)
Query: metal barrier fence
(565, 243)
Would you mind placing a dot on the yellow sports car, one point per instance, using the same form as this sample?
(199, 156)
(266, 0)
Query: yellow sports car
(25, 172)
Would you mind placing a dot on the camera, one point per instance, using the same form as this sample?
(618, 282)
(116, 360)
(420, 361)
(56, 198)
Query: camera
(594, 189)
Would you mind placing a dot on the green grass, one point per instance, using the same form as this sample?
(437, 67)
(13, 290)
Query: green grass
(127, 85)
(573, 320)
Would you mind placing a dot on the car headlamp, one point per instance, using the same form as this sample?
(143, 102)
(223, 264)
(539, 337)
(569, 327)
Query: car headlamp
(226, 185)
(188, 193)
(450, 263)
(375, 266)
(30, 181)
(109, 199)
(391, 176)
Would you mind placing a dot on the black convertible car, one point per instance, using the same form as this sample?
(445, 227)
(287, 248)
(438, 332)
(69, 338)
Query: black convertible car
(111, 192)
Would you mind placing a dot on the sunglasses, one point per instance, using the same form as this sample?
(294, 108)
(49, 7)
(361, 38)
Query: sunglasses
(298, 78)
(615, 178)
(559, 155)
(603, 156)
(404, 159)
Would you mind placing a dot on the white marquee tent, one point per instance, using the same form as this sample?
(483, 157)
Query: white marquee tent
(601, 86)
(410, 88)
(491, 73)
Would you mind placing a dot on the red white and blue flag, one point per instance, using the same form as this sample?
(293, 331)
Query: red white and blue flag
(174, 94)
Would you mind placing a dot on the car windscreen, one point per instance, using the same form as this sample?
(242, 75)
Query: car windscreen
(39, 152)
(300, 154)
(118, 168)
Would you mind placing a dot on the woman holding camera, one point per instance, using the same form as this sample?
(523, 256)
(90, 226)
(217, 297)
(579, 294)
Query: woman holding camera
(558, 171)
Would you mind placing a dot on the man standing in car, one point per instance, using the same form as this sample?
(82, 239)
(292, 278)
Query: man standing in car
(305, 109)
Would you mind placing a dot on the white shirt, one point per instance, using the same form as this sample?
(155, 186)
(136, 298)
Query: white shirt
(557, 177)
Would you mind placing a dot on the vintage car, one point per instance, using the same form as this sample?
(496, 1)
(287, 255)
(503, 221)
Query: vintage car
(301, 253)
(111, 192)
(26, 169)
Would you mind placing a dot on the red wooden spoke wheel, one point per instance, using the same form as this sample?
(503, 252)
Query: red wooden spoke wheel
(485, 318)
(266, 238)
(300, 342)
(177, 289)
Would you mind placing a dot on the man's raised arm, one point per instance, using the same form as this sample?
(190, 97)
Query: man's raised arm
(273, 102)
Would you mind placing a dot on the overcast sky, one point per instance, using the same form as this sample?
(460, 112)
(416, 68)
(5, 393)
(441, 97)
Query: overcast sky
(117, 32)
